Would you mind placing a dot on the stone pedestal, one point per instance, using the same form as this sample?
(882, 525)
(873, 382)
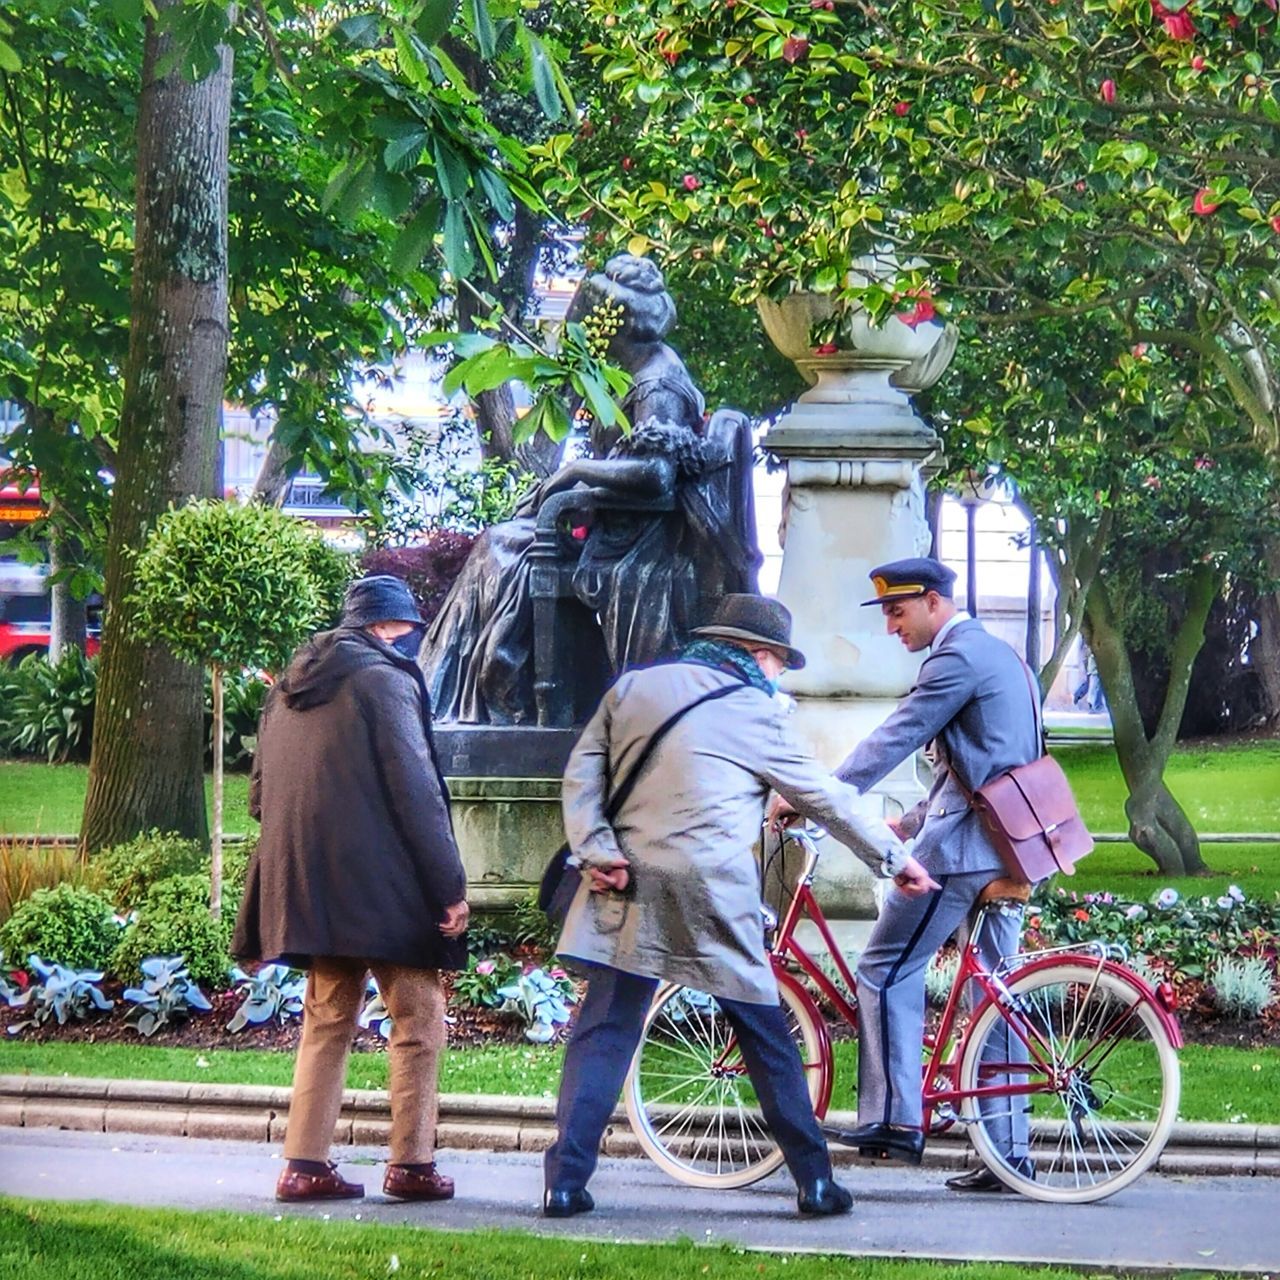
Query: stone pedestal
(856, 454)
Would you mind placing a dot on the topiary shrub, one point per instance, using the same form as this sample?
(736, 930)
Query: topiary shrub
(126, 872)
(67, 925)
(173, 920)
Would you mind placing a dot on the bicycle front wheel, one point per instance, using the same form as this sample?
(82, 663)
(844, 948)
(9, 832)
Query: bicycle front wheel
(688, 1096)
(1092, 1079)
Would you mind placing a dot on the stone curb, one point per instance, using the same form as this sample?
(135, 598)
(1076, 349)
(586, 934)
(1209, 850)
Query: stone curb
(487, 1122)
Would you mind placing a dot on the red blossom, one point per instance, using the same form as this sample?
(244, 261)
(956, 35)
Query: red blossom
(1151, 482)
(627, 163)
(826, 349)
(1233, 20)
(1139, 350)
(1197, 63)
(1204, 464)
(749, 99)
(1275, 224)
(802, 134)
(1204, 204)
(1177, 25)
(901, 108)
(923, 310)
(579, 532)
(671, 55)
(1108, 91)
(1081, 914)
(690, 182)
(795, 49)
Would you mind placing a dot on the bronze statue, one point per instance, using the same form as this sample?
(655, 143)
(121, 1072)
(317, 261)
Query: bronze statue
(629, 547)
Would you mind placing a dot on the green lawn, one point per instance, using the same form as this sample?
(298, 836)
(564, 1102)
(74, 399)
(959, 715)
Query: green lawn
(48, 799)
(1218, 1084)
(1233, 788)
(51, 1241)
(1223, 789)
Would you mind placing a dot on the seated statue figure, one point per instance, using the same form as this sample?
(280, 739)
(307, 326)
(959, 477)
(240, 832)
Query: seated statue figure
(664, 521)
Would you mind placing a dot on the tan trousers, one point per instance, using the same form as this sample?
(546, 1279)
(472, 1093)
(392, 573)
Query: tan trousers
(335, 994)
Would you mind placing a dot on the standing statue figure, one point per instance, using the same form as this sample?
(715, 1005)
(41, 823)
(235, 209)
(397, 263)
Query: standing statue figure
(663, 523)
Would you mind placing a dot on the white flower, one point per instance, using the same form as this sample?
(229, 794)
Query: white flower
(1166, 898)
(1236, 892)
(1135, 912)
(1225, 903)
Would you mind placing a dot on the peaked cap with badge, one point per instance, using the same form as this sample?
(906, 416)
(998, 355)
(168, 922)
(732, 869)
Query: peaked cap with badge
(909, 579)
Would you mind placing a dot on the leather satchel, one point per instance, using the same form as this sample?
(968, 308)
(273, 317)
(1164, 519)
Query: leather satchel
(1031, 816)
(560, 879)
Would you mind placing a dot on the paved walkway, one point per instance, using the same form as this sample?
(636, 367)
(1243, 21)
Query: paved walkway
(1208, 1224)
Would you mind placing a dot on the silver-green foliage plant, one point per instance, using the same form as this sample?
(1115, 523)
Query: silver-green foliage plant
(62, 994)
(168, 995)
(275, 991)
(226, 585)
(1242, 986)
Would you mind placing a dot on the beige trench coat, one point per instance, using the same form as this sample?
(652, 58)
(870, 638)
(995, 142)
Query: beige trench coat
(690, 826)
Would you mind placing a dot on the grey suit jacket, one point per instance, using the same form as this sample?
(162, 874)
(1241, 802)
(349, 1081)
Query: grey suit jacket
(974, 697)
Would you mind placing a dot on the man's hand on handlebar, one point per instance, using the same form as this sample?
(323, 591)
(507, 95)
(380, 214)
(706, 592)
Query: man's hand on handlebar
(612, 877)
(781, 814)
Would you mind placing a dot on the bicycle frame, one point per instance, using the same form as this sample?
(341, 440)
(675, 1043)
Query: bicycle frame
(940, 1091)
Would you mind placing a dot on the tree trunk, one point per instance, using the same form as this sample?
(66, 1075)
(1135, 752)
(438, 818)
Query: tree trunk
(68, 623)
(146, 767)
(273, 475)
(1157, 824)
(1264, 652)
(215, 860)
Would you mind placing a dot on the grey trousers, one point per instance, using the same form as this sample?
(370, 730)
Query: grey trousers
(891, 1001)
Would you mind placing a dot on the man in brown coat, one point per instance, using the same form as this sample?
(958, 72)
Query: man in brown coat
(357, 870)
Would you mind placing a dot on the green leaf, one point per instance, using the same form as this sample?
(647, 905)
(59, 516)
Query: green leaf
(544, 81)
(9, 60)
(648, 92)
(482, 27)
(415, 241)
(402, 153)
(435, 19)
(361, 30)
(498, 194)
(458, 256)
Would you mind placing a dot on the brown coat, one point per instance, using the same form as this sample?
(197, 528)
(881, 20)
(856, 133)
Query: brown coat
(357, 856)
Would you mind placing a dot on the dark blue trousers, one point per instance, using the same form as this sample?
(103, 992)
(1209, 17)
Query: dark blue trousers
(599, 1054)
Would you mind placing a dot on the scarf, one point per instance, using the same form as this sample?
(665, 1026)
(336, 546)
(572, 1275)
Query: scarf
(727, 657)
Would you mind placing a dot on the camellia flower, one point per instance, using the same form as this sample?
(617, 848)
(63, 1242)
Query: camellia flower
(1275, 224)
(901, 108)
(923, 310)
(1197, 63)
(1167, 898)
(1204, 204)
(1177, 25)
(690, 182)
(486, 967)
(795, 49)
(1108, 91)
(826, 349)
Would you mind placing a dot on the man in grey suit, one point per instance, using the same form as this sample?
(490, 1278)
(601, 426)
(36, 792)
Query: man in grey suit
(974, 698)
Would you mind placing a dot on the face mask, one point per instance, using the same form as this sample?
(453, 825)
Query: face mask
(408, 644)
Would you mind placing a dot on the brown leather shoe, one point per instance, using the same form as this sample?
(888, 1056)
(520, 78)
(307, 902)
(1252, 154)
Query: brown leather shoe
(412, 1184)
(294, 1186)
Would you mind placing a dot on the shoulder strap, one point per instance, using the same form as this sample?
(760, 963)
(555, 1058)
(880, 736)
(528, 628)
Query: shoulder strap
(1036, 714)
(619, 797)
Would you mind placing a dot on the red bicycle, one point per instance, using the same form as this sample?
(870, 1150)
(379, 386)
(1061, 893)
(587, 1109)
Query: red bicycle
(1065, 1074)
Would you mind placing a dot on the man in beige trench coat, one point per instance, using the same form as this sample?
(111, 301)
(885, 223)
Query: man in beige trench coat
(670, 887)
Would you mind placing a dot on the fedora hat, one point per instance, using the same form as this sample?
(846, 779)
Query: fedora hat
(756, 620)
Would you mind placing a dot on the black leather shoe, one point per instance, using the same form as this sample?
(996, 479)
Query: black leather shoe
(565, 1204)
(982, 1179)
(823, 1197)
(881, 1141)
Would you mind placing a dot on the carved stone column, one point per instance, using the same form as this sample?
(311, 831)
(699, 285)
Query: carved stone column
(856, 454)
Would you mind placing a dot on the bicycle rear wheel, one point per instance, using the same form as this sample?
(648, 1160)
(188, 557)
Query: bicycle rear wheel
(1100, 1075)
(688, 1096)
